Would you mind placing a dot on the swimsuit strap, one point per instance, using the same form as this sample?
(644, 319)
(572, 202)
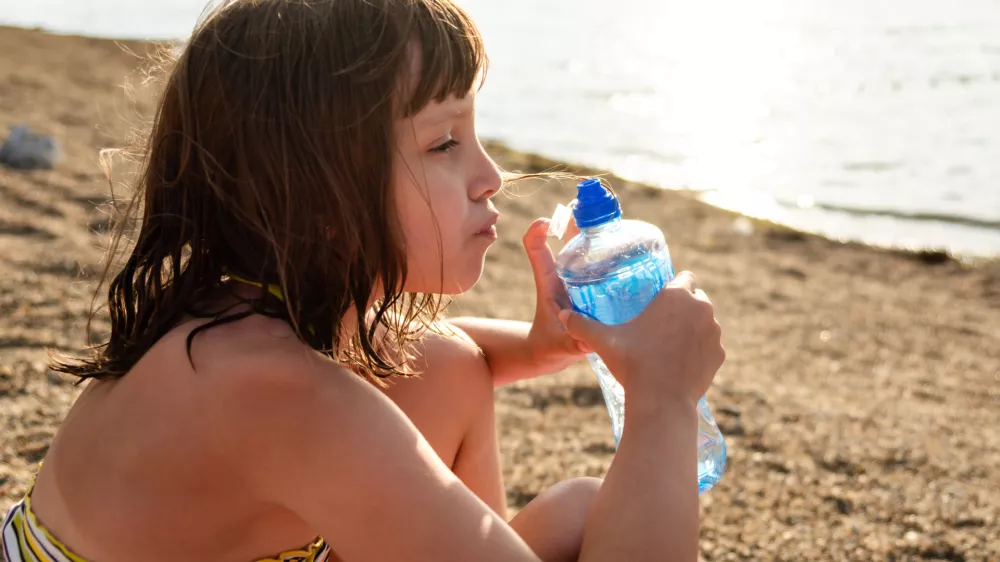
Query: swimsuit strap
(272, 288)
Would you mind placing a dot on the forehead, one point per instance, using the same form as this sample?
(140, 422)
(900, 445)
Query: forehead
(452, 108)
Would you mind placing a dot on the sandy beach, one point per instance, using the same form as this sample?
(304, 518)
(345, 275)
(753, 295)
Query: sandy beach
(860, 400)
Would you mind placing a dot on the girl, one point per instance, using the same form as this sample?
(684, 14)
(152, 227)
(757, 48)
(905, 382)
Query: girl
(311, 185)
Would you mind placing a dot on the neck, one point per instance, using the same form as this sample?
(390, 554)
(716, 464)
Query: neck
(247, 290)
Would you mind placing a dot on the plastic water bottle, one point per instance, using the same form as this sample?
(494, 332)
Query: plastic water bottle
(612, 270)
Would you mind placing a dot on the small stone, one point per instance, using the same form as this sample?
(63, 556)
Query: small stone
(27, 150)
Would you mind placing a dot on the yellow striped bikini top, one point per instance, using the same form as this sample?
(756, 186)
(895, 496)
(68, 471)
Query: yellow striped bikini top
(24, 539)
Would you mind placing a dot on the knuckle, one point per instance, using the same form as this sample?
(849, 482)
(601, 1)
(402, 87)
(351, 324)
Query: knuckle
(707, 309)
(675, 292)
(682, 279)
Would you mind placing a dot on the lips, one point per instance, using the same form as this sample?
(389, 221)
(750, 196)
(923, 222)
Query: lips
(489, 227)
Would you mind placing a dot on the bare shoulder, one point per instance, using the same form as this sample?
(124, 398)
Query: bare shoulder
(443, 345)
(241, 343)
(259, 367)
(249, 386)
(261, 358)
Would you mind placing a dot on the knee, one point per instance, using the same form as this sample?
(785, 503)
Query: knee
(553, 523)
(572, 499)
(574, 496)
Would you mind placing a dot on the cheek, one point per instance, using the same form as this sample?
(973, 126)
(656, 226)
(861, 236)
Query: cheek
(428, 207)
(420, 232)
(436, 241)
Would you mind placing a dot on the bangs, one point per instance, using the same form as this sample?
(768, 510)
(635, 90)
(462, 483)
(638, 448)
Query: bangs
(451, 57)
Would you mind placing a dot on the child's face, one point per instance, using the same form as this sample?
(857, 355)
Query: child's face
(443, 181)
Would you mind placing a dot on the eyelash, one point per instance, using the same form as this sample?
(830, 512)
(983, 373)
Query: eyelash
(445, 147)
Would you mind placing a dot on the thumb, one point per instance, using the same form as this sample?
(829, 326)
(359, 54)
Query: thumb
(540, 256)
(584, 329)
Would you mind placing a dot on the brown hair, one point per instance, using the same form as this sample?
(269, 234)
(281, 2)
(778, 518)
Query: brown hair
(275, 127)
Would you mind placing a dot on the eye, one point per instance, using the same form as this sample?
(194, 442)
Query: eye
(445, 147)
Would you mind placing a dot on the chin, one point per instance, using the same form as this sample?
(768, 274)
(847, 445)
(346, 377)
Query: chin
(456, 282)
(464, 283)
(465, 278)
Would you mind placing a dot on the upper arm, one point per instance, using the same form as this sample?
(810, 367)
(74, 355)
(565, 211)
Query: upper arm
(345, 458)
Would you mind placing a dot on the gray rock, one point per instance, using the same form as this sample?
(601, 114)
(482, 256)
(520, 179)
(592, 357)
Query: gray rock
(27, 150)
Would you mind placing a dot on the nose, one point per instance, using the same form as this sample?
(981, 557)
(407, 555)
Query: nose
(486, 179)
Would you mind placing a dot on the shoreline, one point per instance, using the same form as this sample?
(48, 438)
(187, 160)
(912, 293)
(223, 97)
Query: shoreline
(761, 200)
(534, 162)
(859, 400)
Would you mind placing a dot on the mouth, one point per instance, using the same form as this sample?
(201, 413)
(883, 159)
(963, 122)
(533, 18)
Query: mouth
(489, 228)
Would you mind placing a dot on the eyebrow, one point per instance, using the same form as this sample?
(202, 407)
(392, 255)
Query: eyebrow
(441, 116)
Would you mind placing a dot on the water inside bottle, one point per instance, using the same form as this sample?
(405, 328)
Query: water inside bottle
(623, 293)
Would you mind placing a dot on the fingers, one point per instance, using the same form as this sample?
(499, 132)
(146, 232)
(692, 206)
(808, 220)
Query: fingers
(701, 296)
(587, 331)
(534, 237)
(539, 254)
(687, 280)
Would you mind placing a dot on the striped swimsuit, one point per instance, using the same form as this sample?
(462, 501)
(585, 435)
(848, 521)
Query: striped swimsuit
(24, 539)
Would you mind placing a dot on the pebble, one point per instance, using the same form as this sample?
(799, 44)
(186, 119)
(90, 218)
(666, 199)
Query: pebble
(25, 149)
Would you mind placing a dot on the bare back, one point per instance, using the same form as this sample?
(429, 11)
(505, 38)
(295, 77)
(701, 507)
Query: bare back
(141, 468)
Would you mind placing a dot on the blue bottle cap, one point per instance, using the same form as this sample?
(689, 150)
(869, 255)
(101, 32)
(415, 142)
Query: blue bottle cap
(595, 204)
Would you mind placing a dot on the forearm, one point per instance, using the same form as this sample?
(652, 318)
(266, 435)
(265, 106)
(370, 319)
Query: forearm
(647, 508)
(505, 345)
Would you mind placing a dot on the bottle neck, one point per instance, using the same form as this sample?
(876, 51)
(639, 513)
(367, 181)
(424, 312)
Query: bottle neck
(612, 224)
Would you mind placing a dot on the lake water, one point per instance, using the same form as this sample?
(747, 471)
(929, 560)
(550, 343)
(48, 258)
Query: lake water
(871, 120)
